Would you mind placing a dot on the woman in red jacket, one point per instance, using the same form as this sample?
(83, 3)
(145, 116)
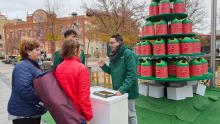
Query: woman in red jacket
(73, 78)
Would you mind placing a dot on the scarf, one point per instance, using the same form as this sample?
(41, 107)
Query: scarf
(34, 63)
(114, 54)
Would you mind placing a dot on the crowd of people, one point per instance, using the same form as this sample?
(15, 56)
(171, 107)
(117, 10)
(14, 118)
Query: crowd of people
(25, 107)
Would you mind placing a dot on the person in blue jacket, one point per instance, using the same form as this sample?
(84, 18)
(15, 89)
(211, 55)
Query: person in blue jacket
(24, 106)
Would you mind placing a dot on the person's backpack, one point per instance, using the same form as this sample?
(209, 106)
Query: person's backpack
(59, 106)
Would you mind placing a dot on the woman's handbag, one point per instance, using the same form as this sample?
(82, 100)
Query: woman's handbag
(59, 106)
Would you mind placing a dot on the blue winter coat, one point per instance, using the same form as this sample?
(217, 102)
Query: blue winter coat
(24, 101)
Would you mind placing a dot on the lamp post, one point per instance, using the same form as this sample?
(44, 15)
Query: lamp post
(75, 25)
(76, 28)
(213, 40)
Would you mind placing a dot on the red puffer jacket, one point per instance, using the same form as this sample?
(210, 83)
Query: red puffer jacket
(73, 78)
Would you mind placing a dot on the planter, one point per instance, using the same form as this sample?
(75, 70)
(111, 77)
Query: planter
(187, 26)
(186, 46)
(176, 27)
(196, 67)
(196, 45)
(161, 28)
(178, 7)
(161, 69)
(205, 66)
(146, 68)
(149, 29)
(146, 48)
(173, 47)
(164, 7)
(153, 9)
(159, 47)
(182, 69)
(172, 68)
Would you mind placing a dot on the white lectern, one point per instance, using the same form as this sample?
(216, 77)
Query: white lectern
(111, 110)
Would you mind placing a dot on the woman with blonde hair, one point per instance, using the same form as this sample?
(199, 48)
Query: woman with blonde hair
(24, 106)
(73, 78)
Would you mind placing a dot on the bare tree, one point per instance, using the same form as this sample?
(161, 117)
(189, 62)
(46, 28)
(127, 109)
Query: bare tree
(116, 16)
(218, 18)
(52, 9)
(196, 12)
(13, 44)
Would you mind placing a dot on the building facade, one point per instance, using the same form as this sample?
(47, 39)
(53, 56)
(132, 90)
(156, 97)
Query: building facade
(3, 21)
(206, 44)
(44, 26)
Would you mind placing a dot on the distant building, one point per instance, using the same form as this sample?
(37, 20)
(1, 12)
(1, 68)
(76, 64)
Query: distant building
(207, 44)
(41, 25)
(3, 20)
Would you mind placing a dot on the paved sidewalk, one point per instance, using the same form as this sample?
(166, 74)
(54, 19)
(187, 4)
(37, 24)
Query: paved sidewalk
(4, 96)
(5, 91)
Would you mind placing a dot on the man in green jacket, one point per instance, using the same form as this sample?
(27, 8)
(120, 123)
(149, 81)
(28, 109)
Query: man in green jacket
(123, 70)
(69, 34)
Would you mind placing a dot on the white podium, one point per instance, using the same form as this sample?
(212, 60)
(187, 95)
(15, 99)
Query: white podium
(111, 110)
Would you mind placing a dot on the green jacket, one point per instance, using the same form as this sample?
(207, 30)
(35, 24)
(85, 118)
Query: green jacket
(123, 71)
(58, 59)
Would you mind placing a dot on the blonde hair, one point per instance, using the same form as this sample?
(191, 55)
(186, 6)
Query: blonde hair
(27, 44)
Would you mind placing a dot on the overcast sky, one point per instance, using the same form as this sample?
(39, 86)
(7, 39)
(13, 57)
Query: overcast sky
(19, 8)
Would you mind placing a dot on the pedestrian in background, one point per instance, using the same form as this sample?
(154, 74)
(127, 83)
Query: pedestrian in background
(69, 34)
(24, 106)
(96, 53)
(73, 78)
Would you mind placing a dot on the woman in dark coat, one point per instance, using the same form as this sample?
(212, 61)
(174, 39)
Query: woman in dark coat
(24, 106)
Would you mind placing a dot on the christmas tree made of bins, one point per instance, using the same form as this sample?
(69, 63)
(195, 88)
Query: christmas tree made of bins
(167, 41)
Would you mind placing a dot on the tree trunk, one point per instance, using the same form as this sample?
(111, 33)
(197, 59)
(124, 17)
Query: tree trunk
(87, 52)
(53, 48)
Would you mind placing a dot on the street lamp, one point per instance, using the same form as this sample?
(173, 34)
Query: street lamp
(76, 28)
(74, 14)
(75, 25)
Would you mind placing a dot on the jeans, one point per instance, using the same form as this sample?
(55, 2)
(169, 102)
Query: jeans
(27, 121)
(84, 122)
(132, 117)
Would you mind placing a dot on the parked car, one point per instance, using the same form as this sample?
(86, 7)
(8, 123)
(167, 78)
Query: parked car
(2, 57)
(7, 61)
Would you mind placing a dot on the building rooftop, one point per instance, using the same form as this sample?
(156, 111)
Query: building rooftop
(2, 17)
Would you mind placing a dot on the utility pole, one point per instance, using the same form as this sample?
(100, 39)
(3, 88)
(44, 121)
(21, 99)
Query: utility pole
(213, 40)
